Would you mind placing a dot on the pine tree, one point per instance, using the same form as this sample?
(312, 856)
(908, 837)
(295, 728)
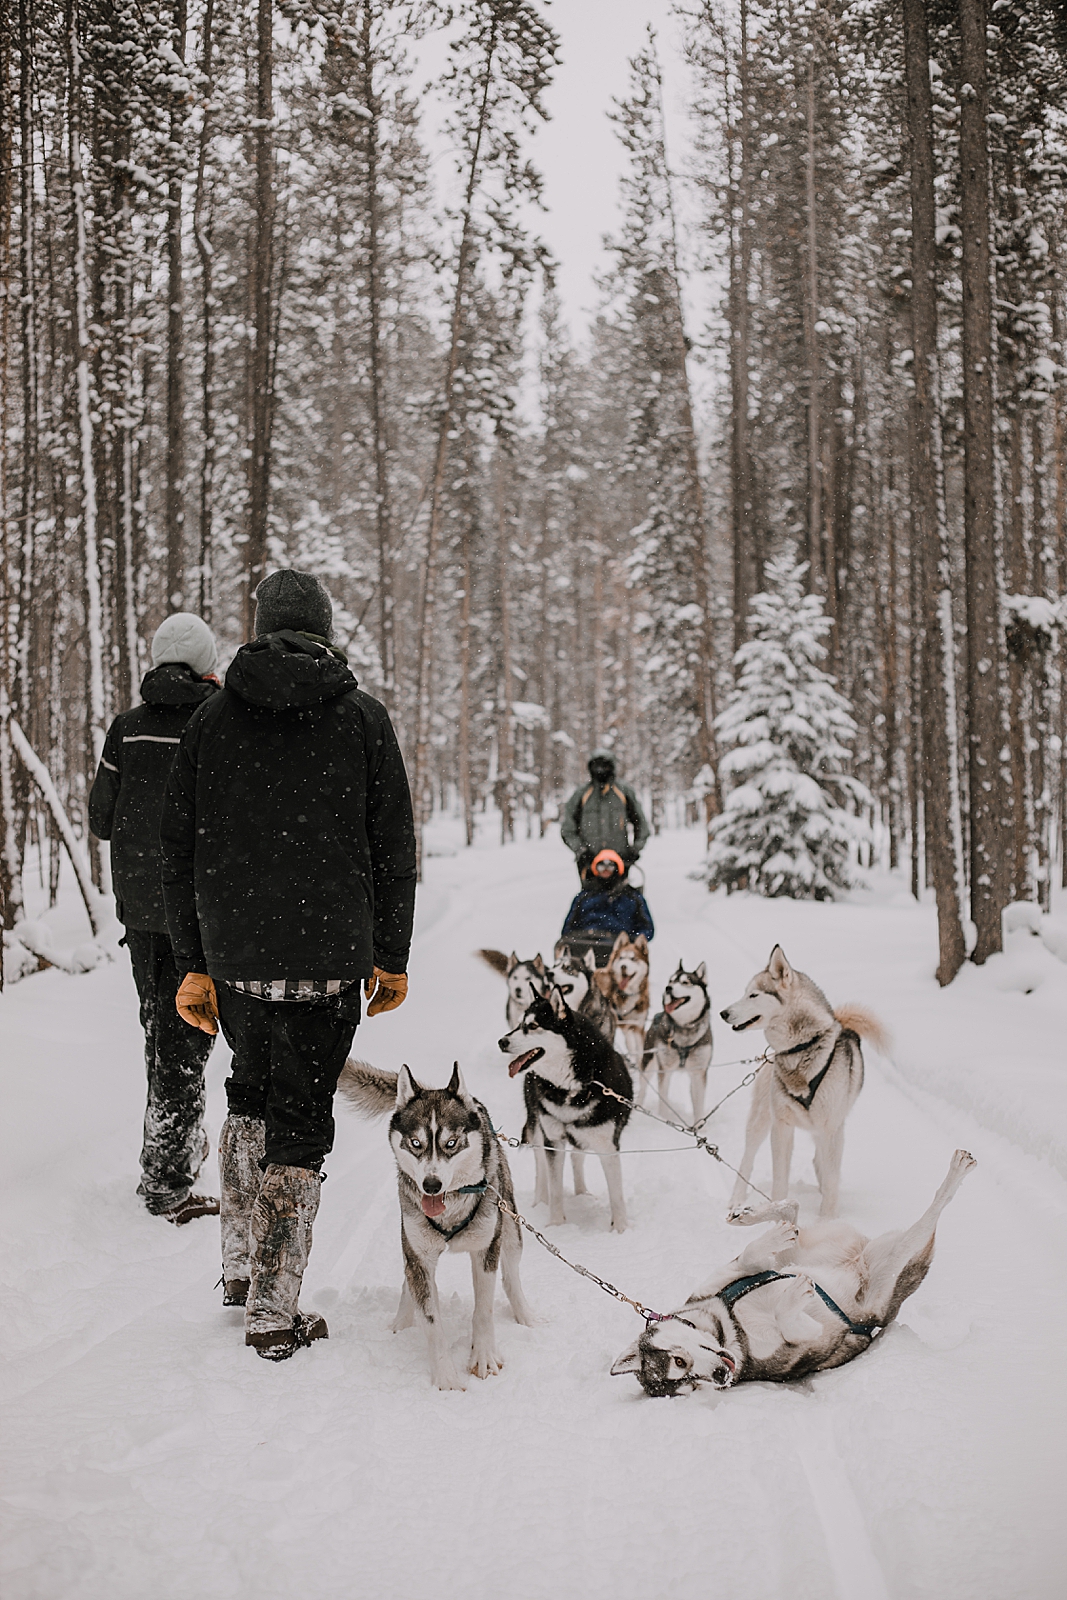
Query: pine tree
(784, 830)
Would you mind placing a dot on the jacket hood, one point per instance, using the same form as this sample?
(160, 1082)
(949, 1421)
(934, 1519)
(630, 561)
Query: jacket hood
(287, 671)
(174, 684)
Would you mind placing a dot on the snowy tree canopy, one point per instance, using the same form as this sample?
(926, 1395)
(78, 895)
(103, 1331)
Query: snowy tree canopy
(788, 733)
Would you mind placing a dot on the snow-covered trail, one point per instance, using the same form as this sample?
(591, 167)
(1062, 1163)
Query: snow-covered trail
(147, 1452)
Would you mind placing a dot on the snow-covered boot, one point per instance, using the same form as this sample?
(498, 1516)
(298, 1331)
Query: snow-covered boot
(282, 1220)
(240, 1150)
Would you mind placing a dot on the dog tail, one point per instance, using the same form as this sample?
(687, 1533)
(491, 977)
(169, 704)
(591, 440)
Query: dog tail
(867, 1026)
(495, 959)
(366, 1088)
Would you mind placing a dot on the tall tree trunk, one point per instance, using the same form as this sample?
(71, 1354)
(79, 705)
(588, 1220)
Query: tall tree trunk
(811, 342)
(747, 552)
(421, 795)
(506, 719)
(944, 845)
(86, 453)
(376, 355)
(204, 250)
(990, 828)
(263, 310)
(174, 502)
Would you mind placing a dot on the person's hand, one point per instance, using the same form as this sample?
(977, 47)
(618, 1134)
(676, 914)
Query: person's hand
(385, 991)
(197, 1002)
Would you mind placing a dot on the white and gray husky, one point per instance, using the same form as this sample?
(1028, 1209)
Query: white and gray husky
(583, 986)
(448, 1162)
(811, 1082)
(679, 1039)
(792, 1303)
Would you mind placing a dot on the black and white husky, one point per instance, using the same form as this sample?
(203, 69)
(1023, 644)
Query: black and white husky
(679, 1037)
(448, 1162)
(567, 1108)
(792, 1303)
(812, 1081)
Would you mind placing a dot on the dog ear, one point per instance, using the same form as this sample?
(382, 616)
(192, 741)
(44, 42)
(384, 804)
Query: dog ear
(779, 967)
(629, 1361)
(455, 1083)
(406, 1087)
(590, 960)
(538, 963)
(701, 972)
(621, 941)
(513, 962)
(641, 946)
(556, 1000)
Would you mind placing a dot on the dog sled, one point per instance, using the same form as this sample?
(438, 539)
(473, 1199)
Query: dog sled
(600, 912)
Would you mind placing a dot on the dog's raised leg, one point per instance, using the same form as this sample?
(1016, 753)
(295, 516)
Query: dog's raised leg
(612, 1164)
(484, 1359)
(895, 1264)
(578, 1171)
(781, 1157)
(540, 1175)
(510, 1256)
(759, 1122)
(422, 1286)
(829, 1150)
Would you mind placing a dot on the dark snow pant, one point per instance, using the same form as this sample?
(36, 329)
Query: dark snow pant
(287, 1058)
(175, 1056)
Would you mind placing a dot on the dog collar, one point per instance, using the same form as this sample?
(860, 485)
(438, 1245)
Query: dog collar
(741, 1286)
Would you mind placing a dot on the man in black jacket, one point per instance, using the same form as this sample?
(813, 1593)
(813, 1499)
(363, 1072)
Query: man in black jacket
(125, 804)
(289, 875)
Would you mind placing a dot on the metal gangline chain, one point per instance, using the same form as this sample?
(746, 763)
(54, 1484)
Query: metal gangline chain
(692, 1131)
(576, 1266)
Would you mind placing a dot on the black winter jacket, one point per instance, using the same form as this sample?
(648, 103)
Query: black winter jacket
(126, 800)
(287, 834)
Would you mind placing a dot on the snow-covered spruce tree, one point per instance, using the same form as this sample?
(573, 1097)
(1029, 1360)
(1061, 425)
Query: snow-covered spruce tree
(784, 830)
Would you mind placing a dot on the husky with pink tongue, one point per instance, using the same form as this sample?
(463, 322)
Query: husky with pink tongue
(450, 1169)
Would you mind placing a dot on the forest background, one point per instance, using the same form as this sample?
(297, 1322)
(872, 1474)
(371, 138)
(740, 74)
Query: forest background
(269, 300)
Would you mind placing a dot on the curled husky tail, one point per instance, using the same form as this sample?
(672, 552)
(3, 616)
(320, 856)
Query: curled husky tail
(495, 959)
(866, 1025)
(369, 1090)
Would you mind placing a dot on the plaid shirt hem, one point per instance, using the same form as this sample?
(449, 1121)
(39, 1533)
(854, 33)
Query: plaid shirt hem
(291, 989)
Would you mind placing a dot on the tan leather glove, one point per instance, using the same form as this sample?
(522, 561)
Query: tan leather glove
(196, 1002)
(385, 991)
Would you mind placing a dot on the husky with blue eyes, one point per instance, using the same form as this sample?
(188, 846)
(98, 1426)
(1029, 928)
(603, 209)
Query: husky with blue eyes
(796, 1301)
(450, 1169)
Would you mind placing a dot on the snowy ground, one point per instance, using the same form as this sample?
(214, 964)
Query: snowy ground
(146, 1452)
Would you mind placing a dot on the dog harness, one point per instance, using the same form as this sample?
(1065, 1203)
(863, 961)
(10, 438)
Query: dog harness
(467, 1188)
(806, 1099)
(684, 1051)
(741, 1286)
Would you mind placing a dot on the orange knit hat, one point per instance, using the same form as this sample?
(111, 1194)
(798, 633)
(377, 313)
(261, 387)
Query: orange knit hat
(609, 855)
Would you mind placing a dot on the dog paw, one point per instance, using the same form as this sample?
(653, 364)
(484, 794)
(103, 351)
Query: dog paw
(782, 1236)
(963, 1161)
(485, 1363)
(446, 1377)
(739, 1215)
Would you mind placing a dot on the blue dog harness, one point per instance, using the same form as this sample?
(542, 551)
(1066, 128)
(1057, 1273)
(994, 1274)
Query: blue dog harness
(741, 1286)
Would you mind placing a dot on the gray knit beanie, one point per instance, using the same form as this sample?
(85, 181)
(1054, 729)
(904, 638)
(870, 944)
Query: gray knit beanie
(185, 638)
(294, 600)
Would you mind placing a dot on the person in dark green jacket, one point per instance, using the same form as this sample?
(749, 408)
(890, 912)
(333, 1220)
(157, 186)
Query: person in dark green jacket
(600, 814)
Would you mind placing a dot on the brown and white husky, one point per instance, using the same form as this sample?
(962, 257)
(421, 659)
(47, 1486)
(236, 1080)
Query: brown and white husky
(624, 981)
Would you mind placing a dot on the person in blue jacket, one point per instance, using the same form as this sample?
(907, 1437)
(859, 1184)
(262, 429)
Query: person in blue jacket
(610, 905)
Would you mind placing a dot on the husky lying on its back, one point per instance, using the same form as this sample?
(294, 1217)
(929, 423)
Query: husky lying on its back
(792, 1303)
(446, 1155)
(812, 1082)
(566, 1105)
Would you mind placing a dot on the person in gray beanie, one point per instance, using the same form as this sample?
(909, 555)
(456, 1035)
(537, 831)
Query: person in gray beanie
(125, 805)
(289, 877)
